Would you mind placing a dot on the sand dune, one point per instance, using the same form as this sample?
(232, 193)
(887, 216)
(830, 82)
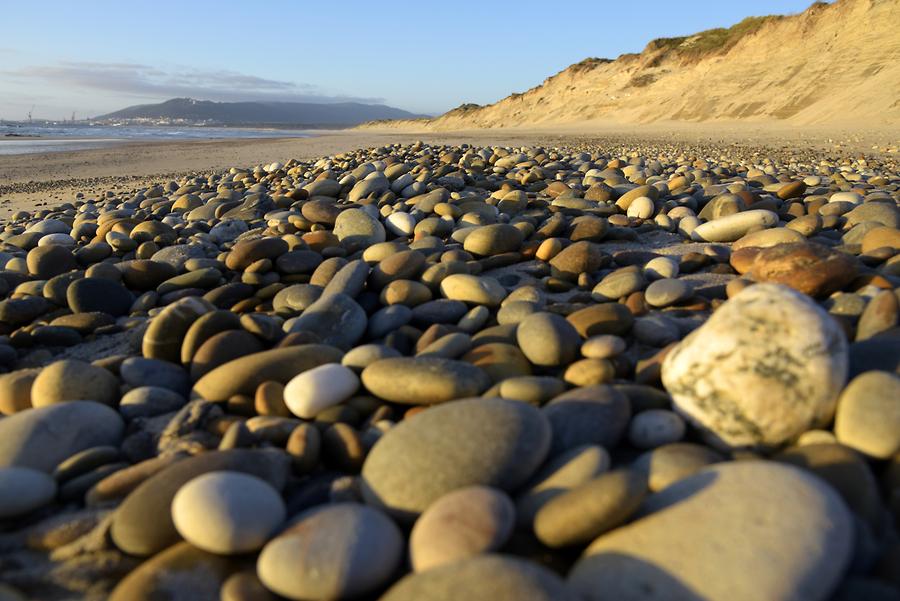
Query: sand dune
(834, 64)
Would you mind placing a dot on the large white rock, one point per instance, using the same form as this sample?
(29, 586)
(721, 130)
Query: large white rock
(741, 531)
(319, 388)
(732, 227)
(767, 366)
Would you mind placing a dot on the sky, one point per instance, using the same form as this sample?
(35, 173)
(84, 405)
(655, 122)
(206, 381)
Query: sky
(97, 56)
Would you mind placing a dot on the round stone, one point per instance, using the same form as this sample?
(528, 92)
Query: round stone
(868, 414)
(580, 257)
(147, 401)
(665, 292)
(99, 294)
(423, 380)
(589, 415)
(44, 262)
(15, 390)
(655, 427)
(247, 252)
(801, 521)
(466, 522)
(41, 438)
(484, 441)
(493, 239)
(767, 366)
(400, 224)
(473, 289)
(813, 269)
(227, 512)
(547, 339)
(661, 267)
(356, 228)
(74, 380)
(334, 551)
(581, 514)
(317, 389)
(494, 577)
(23, 490)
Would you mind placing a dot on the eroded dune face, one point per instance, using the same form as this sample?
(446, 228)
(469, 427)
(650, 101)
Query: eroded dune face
(836, 64)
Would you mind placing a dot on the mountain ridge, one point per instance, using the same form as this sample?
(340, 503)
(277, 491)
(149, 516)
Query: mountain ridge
(833, 63)
(261, 112)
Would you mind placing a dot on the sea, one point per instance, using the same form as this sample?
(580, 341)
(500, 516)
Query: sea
(21, 138)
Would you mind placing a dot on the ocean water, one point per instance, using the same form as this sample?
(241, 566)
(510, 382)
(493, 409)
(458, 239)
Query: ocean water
(28, 139)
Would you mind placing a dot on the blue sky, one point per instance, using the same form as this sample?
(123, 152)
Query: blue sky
(98, 56)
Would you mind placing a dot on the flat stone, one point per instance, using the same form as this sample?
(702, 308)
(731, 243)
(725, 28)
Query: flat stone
(22, 490)
(483, 441)
(766, 366)
(494, 577)
(423, 380)
(335, 551)
(600, 319)
(479, 290)
(581, 514)
(148, 401)
(802, 523)
(577, 258)
(166, 332)
(461, 524)
(42, 438)
(670, 463)
(811, 268)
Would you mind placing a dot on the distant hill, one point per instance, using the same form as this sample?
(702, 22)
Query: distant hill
(307, 114)
(831, 64)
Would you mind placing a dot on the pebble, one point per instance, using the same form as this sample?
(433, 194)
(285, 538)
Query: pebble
(654, 428)
(382, 289)
(548, 339)
(767, 366)
(43, 437)
(485, 441)
(423, 380)
(667, 291)
(309, 393)
(227, 513)
(23, 490)
(461, 524)
(802, 522)
(335, 551)
(490, 576)
(868, 414)
(733, 227)
(581, 514)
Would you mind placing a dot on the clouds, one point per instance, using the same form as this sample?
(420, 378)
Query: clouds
(144, 81)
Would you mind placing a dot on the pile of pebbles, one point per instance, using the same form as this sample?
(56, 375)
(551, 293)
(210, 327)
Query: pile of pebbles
(422, 372)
